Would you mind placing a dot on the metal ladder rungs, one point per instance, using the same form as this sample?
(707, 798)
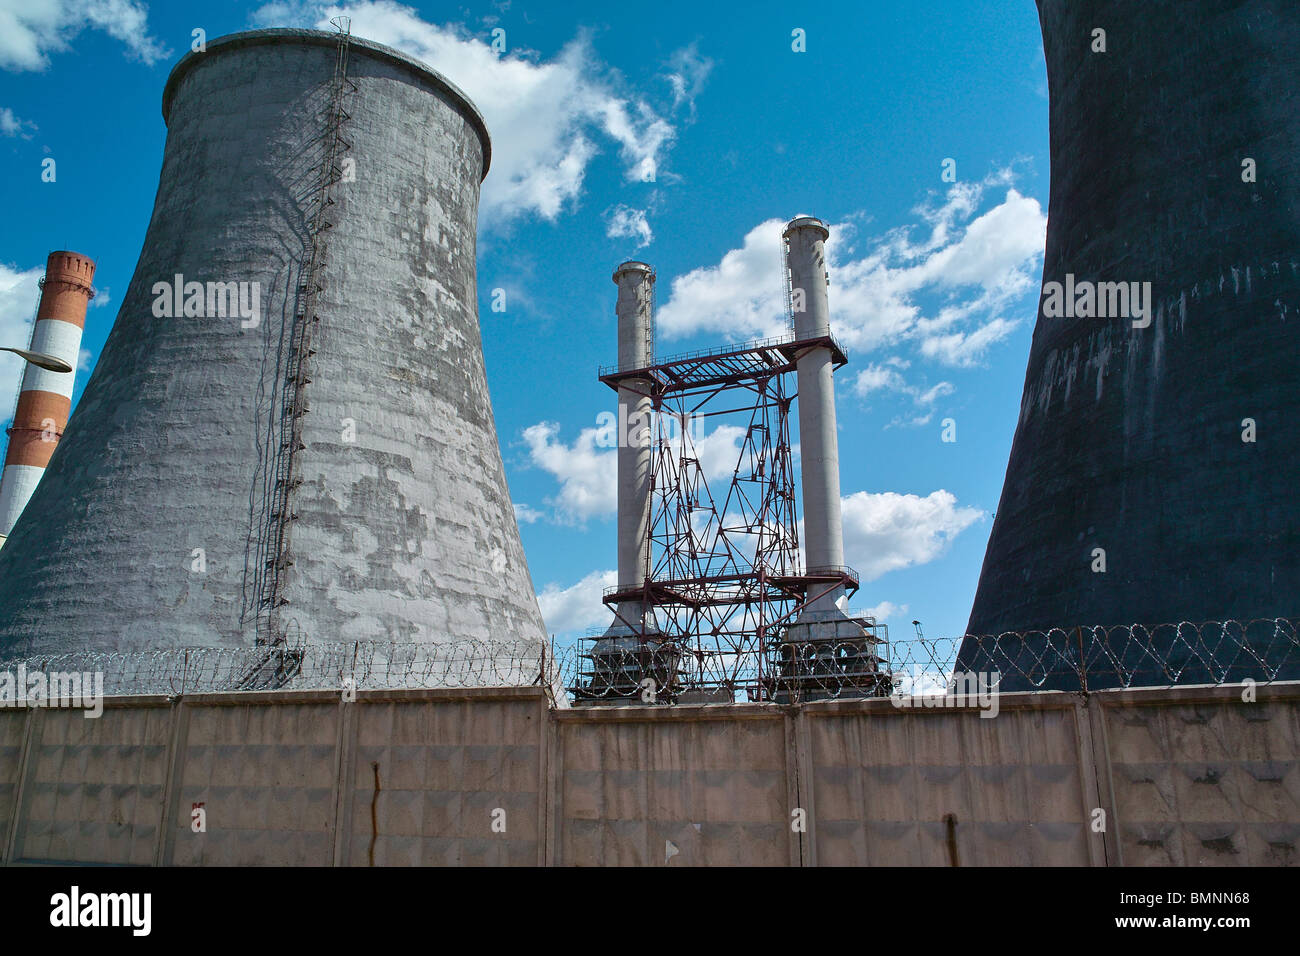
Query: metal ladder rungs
(293, 403)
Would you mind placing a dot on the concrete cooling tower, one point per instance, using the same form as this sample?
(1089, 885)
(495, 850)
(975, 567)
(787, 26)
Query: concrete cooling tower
(1163, 437)
(289, 428)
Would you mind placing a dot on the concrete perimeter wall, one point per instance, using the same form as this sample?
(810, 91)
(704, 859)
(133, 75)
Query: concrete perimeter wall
(1189, 777)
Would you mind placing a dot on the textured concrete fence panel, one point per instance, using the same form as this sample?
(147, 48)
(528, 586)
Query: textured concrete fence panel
(266, 775)
(93, 788)
(1205, 779)
(495, 776)
(648, 786)
(945, 787)
(13, 734)
(456, 783)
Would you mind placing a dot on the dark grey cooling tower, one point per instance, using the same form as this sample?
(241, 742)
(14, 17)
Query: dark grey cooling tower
(335, 459)
(1130, 439)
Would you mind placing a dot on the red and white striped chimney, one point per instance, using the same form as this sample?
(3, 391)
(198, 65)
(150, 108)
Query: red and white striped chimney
(46, 397)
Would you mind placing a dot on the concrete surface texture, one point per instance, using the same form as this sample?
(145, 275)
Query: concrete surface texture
(1130, 438)
(1193, 776)
(146, 530)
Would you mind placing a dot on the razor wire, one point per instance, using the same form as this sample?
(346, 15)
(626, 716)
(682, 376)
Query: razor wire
(661, 671)
(1073, 659)
(302, 665)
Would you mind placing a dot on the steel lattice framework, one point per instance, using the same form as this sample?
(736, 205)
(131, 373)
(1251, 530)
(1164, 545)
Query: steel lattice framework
(725, 576)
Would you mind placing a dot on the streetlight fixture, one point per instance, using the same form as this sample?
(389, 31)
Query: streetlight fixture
(48, 362)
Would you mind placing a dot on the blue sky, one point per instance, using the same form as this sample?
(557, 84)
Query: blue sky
(683, 134)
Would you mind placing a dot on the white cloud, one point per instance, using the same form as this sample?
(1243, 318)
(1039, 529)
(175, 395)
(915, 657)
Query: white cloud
(587, 476)
(624, 222)
(935, 392)
(966, 348)
(30, 30)
(887, 531)
(919, 681)
(577, 607)
(972, 270)
(548, 118)
(11, 125)
(740, 297)
(525, 514)
(587, 469)
(886, 378)
(876, 378)
(688, 71)
(719, 451)
(885, 610)
(942, 293)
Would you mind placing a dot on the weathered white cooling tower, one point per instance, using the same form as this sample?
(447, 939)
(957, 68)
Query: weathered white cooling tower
(313, 445)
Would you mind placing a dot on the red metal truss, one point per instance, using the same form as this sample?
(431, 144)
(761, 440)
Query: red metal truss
(726, 575)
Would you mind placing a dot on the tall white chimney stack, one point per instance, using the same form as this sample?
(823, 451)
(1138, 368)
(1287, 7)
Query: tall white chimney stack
(635, 310)
(805, 240)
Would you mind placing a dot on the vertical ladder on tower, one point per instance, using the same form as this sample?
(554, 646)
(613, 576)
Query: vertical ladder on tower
(276, 554)
(787, 284)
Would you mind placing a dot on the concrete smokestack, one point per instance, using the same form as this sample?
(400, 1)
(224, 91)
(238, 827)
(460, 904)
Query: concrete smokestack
(826, 652)
(819, 455)
(46, 397)
(157, 513)
(635, 281)
(623, 657)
